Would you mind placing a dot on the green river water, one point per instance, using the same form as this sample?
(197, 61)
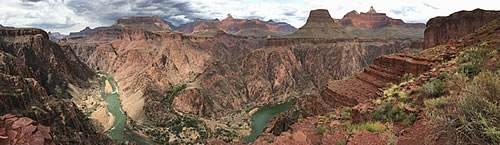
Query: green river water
(118, 132)
(261, 118)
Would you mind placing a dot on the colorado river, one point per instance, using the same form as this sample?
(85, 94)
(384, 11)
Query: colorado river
(261, 118)
(118, 132)
(115, 107)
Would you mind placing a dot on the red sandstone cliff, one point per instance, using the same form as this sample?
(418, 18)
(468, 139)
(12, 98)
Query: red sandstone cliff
(440, 30)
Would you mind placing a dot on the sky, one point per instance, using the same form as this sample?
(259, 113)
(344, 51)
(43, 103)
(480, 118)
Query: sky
(74, 15)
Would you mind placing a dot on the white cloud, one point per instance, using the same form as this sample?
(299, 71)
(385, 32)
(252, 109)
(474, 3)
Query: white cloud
(73, 15)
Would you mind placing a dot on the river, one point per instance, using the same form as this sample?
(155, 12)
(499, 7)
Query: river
(261, 118)
(118, 132)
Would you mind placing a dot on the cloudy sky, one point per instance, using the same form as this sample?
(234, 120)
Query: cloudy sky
(73, 15)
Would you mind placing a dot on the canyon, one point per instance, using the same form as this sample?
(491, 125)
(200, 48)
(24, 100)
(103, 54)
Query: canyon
(224, 72)
(204, 82)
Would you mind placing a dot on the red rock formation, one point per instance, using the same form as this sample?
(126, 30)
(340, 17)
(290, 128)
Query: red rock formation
(373, 20)
(356, 25)
(22, 130)
(365, 85)
(441, 30)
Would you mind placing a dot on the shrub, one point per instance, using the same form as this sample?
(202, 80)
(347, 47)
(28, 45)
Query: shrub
(320, 129)
(369, 126)
(406, 77)
(341, 142)
(389, 112)
(476, 117)
(469, 69)
(434, 87)
(476, 56)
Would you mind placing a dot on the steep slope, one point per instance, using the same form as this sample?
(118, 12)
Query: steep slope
(440, 30)
(36, 79)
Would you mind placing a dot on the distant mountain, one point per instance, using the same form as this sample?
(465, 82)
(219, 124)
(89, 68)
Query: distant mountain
(86, 31)
(353, 25)
(153, 23)
(373, 20)
(56, 35)
(242, 27)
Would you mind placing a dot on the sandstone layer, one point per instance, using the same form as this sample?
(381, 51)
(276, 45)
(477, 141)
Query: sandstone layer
(441, 30)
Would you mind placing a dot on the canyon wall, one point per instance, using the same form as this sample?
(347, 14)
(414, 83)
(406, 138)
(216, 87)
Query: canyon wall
(36, 75)
(440, 30)
(278, 73)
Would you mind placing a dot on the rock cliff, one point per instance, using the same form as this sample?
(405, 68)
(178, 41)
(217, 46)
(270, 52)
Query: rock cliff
(36, 75)
(441, 30)
(23, 130)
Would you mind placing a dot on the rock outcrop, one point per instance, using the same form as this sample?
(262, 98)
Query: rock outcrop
(374, 20)
(441, 30)
(35, 79)
(365, 85)
(22, 130)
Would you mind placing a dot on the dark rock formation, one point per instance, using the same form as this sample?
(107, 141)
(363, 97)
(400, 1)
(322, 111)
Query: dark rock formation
(35, 77)
(153, 23)
(440, 30)
(22, 130)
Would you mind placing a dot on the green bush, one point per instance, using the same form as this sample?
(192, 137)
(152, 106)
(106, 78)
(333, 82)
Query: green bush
(477, 56)
(469, 69)
(389, 112)
(369, 126)
(434, 87)
(475, 117)
(406, 77)
(341, 142)
(172, 93)
(320, 129)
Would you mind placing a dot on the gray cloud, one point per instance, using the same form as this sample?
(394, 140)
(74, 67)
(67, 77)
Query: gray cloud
(430, 6)
(109, 11)
(404, 10)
